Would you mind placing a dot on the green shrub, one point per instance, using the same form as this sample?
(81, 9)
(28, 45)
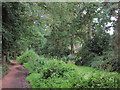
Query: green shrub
(71, 57)
(95, 46)
(51, 73)
(37, 80)
(4, 69)
(54, 73)
(11, 58)
(91, 78)
(35, 65)
(84, 56)
(27, 56)
(107, 61)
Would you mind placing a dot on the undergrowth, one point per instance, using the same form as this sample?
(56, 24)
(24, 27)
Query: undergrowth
(54, 73)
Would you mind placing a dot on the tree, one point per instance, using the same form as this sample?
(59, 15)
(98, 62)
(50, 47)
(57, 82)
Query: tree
(20, 31)
(117, 37)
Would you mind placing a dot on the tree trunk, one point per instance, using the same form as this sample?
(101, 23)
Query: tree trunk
(4, 59)
(8, 54)
(117, 36)
(72, 45)
(14, 55)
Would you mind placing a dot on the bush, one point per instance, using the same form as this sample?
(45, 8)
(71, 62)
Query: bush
(72, 57)
(36, 65)
(91, 78)
(54, 73)
(107, 61)
(4, 69)
(84, 56)
(96, 46)
(27, 56)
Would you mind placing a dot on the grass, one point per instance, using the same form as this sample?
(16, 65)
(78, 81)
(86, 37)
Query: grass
(90, 70)
(86, 69)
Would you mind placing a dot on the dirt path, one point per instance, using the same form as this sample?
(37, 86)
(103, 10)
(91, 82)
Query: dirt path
(15, 77)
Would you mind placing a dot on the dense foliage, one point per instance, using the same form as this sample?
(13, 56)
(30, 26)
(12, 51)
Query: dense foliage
(27, 56)
(4, 70)
(53, 73)
(48, 36)
(98, 53)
